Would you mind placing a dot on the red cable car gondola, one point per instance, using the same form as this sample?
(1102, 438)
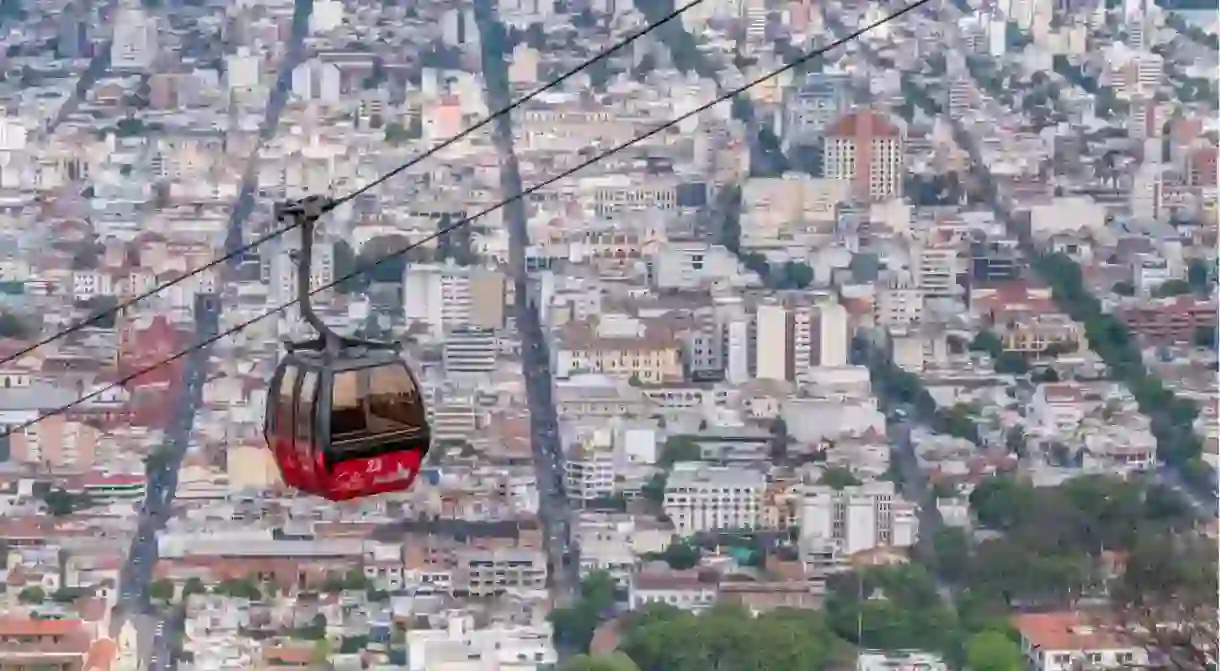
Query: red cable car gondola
(345, 416)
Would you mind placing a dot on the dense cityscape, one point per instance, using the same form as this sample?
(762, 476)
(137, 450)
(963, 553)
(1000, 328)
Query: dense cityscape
(902, 359)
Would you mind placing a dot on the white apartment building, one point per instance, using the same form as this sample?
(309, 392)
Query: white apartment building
(865, 149)
(1059, 408)
(833, 341)
(1066, 641)
(454, 419)
(283, 269)
(936, 268)
(135, 38)
(682, 590)
(614, 543)
(1150, 272)
(497, 571)
(87, 284)
(775, 210)
(438, 296)
(902, 660)
(589, 472)
(470, 349)
(736, 349)
(699, 497)
(774, 334)
(463, 646)
(859, 518)
(691, 265)
(899, 303)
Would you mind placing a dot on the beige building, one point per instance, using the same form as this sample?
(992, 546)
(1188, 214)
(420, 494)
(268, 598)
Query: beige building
(251, 467)
(865, 149)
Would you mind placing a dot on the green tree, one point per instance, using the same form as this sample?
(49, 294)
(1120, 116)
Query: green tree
(1015, 439)
(662, 638)
(157, 460)
(1123, 288)
(796, 275)
(951, 549)
(396, 133)
(681, 556)
(654, 489)
(1163, 569)
(345, 267)
(68, 594)
(1198, 274)
(355, 580)
(61, 503)
(993, 651)
(989, 342)
(1111, 340)
(32, 595)
(161, 590)
(1205, 336)
(1052, 536)
(838, 478)
(12, 326)
(351, 645)
(243, 588)
(890, 608)
(679, 448)
(321, 653)
(314, 631)
(129, 127)
(1172, 288)
(779, 439)
(574, 625)
(615, 661)
(193, 586)
(1011, 363)
(334, 583)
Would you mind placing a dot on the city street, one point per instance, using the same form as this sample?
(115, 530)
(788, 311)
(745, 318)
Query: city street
(137, 573)
(554, 512)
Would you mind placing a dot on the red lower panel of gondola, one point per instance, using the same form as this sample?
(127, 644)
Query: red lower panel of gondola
(354, 478)
(351, 478)
(294, 467)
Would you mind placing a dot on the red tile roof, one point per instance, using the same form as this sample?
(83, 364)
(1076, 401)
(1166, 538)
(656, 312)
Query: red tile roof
(13, 627)
(862, 123)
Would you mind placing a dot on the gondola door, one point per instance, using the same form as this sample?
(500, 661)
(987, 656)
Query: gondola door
(373, 447)
(280, 424)
(309, 451)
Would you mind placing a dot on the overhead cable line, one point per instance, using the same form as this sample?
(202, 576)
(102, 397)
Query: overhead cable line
(488, 210)
(445, 144)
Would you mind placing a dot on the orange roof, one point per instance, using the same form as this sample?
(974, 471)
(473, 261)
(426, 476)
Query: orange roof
(24, 626)
(863, 123)
(1066, 631)
(288, 655)
(101, 655)
(112, 480)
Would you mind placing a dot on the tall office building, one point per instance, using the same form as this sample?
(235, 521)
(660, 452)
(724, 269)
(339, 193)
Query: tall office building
(774, 341)
(135, 38)
(865, 148)
(699, 497)
(813, 106)
(73, 32)
(470, 349)
(936, 267)
(858, 518)
(831, 336)
(281, 269)
(737, 349)
(449, 296)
